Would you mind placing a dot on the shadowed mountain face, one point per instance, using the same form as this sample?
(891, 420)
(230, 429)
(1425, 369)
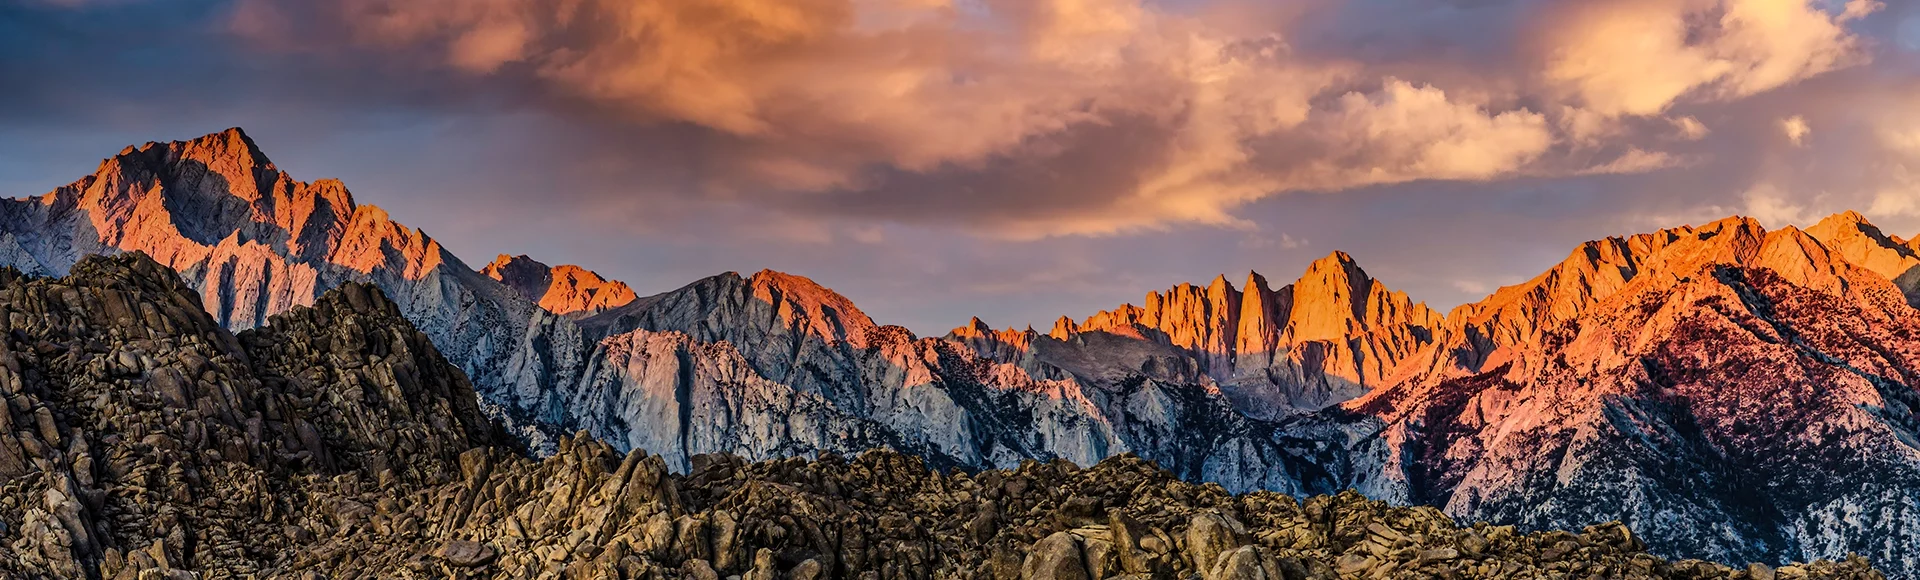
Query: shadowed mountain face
(566, 290)
(1743, 393)
(140, 435)
(1321, 340)
(767, 366)
(253, 242)
(141, 440)
(1728, 391)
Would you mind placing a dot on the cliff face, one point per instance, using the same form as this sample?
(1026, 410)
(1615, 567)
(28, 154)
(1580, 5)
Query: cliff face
(140, 435)
(1326, 338)
(1755, 385)
(766, 366)
(253, 242)
(773, 365)
(566, 290)
(139, 439)
(1743, 382)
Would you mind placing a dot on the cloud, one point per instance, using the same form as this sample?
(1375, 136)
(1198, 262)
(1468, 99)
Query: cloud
(810, 104)
(1639, 57)
(1796, 129)
(1406, 132)
(893, 148)
(1691, 129)
(1256, 241)
(1777, 208)
(1896, 201)
(1636, 160)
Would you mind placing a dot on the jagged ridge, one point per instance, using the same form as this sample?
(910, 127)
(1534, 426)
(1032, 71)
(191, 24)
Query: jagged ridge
(566, 290)
(338, 442)
(1326, 338)
(774, 365)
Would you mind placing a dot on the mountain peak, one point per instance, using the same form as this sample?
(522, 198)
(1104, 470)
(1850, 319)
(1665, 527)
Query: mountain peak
(231, 137)
(829, 313)
(1336, 268)
(1859, 242)
(1064, 328)
(230, 147)
(523, 274)
(567, 290)
(506, 260)
(1849, 216)
(1336, 257)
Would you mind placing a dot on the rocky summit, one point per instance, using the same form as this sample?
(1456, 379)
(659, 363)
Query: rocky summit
(139, 439)
(1728, 392)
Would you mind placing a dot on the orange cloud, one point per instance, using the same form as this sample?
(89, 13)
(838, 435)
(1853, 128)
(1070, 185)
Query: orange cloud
(830, 101)
(1638, 57)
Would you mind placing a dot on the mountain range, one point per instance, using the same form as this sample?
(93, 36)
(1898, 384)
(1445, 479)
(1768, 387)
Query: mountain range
(1728, 391)
(139, 439)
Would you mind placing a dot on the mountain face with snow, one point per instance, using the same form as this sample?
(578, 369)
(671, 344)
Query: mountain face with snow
(1728, 391)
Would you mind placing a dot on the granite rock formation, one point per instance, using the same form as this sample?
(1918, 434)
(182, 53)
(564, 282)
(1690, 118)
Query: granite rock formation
(254, 242)
(1326, 338)
(1729, 392)
(566, 290)
(773, 365)
(142, 440)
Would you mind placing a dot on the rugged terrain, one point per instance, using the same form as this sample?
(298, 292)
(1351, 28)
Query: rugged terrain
(142, 440)
(1326, 338)
(567, 290)
(765, 366)
(1730, 392)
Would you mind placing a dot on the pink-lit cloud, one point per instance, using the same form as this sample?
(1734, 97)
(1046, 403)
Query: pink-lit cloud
(831, 99)
(918, 153)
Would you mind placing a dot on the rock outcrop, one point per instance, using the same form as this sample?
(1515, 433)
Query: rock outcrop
(1856, 240)
(566, 290)
(254, 242)
(142, 440)
(1726, 399)
(1727, 391)
(774, 365)
(1324, 339)
(762, 366)
(139, 436)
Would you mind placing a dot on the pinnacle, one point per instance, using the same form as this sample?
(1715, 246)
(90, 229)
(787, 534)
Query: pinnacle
(1256, 281)
(1220, 282)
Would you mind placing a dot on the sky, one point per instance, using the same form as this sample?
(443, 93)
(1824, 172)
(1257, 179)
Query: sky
(1016, 160)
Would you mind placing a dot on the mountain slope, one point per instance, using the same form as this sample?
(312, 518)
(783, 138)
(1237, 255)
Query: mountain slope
(1321, 340)
(1728, 391)
(254, 243)
(566, 290)
(773, 364)
(765, 366)
(141, 440)
(1745, 394)
(141, 435)
(1851, 237)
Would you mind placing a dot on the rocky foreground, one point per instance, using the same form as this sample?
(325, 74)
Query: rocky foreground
(141, 440)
